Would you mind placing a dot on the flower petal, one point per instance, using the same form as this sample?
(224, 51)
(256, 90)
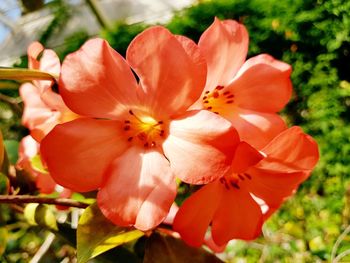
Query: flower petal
(274, 187)
(195, 214)
(245, 157)
(200, 146)
(225, 46)
(291, 151)
(256, 128)
(262, 84)
(171, 80)
(140, 194)
(77, 153)
(290, 158)
(49, 62)
(97, 82)
(36, 112)
(238, 217)
(33, 51)
(45, 183)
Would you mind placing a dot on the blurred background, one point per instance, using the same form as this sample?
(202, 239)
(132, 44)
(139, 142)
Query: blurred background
(311, 35)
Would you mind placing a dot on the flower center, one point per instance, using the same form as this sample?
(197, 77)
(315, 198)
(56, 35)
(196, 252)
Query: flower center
(217, 100)
(232, 181)
(144, 130)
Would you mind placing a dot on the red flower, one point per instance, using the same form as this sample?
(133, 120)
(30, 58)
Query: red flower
(137, 137)
(43, 108)
(248, 93)
(237, 204)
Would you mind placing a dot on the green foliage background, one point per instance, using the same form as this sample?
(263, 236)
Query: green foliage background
(314, 37)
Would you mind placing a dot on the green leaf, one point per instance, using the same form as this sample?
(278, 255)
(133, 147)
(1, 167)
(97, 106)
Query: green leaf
(39, 214)
(3, 239)
(24, 74)
(96, 234)
(167, 249)
(11, 147)
(38, 165)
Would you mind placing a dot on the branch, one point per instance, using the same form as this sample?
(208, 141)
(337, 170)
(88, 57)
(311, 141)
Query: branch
(13, 103)
(24, 199)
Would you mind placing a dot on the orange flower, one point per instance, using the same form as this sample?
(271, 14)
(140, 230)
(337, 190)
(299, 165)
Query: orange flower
(43, 108)
(29, 149)
(237, 204)
(248, 93)
(137, 136)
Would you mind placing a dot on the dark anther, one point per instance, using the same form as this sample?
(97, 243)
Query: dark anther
(241, 177)
(216, 112)
(219, 87)
(146, 144)
(206, 101)
(130, 112)
(229, 101)
(234, 184)
(248, 176)
(161, 133)
(209, 108)
(222, 180)
(130, 139)
(226, 93)
(127, 121)
(207, 92)
(231, 96)
(126, 128)
(160, 122)
(205, 97)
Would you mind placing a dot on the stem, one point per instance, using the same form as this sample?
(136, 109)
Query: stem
(24, 199)
(24, 74)
(13, 103)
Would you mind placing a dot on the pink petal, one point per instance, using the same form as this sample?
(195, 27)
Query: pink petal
(200, 146)
(140, 194)
(238, 216)
(274, 187)
(45, 183)
(225, 46)
(43, 111)
(34, 51)
(77, 153)
(97, 82)
(170, 78)
(36, 112)
(195, 214)
(291, 151)
(256, 128)
(49, 62)
(245, 157)
(290, 158)
(262, 84)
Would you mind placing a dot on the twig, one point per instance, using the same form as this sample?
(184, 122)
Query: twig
(339, 240)
(341, 255)
(44, 248)
(13, 102)
(21, 199)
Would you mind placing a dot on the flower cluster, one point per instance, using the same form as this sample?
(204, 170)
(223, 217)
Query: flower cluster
(172, 109)
(43, 110)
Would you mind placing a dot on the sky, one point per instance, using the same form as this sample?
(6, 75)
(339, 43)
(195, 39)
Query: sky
(12, 11)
